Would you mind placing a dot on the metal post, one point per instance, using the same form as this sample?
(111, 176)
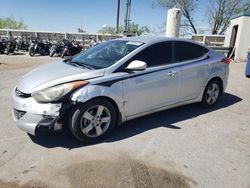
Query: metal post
(117, 16)
(127, 13)
(204, 39)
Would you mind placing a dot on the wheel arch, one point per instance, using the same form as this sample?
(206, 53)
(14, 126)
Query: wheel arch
(220, 81)
(109, 99)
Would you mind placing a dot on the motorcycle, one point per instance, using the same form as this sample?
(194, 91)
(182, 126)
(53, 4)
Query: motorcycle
(11, 46)
(38, 47)
(3, 44)
(71, 48)
(23, 45)
(56, 48)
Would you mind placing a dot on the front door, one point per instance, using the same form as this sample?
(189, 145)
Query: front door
(155, 87)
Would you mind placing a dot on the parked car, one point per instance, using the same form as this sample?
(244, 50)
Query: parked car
(117, 81)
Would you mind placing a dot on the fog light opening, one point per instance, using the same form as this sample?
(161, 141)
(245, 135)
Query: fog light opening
(57, 126)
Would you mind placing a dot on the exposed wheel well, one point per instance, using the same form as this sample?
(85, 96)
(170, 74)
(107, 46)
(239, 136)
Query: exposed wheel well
(118, 114)
(219, 80)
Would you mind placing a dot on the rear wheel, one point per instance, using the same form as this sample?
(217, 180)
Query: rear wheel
(211, 93)
(93, 120)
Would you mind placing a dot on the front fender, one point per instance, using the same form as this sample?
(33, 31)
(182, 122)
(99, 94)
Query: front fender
(89, 92)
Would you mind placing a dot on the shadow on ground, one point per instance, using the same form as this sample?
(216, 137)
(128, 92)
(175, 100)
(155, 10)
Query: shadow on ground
(137, 126)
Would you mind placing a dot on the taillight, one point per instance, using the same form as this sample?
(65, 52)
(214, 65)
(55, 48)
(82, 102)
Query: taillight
(226, 60)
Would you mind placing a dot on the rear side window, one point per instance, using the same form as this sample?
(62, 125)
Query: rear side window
(157, 54)
(185, 51)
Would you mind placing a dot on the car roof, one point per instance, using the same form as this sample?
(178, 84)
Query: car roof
(146, 39)
(155, 39)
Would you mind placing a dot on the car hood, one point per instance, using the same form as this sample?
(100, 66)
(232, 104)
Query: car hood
(53, 74)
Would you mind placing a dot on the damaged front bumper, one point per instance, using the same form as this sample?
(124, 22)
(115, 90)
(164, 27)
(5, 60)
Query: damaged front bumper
(29, 114)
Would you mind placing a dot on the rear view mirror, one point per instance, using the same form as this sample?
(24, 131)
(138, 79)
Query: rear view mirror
(137, 65)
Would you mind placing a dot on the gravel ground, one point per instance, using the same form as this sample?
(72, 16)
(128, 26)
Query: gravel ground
(183, 147)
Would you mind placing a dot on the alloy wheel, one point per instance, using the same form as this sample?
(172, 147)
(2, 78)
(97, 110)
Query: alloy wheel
(95, 121)
(212, 93)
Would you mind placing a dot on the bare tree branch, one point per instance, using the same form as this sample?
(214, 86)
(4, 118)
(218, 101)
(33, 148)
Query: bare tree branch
(187, 7)
(220, 12)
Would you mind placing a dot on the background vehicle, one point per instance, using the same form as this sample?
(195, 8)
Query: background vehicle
(11, 46)
(39, 47)
(56, 48)
(71, 48)
(117, 81)
(3, 44)
(22, 45)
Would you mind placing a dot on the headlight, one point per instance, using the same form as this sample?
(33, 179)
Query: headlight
(57, 92)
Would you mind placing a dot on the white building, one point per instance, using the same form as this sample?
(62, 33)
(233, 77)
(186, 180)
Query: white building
(238, 35)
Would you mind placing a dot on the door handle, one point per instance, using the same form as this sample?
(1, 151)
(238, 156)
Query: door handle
(172, 73)
(209, 64)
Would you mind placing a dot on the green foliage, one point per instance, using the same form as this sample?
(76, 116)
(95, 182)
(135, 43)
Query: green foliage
(107, 30)
(138, 30)
(79, 30)
(133, 28)
(11, 23)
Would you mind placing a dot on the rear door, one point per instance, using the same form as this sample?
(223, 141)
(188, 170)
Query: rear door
(155, 87)
(195, 69)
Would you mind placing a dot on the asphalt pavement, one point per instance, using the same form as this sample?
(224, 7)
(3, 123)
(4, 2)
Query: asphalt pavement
(187, 146)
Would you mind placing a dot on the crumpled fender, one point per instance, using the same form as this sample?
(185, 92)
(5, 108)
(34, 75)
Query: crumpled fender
(86, 93)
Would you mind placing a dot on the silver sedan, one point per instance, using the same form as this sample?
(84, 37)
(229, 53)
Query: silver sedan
(117, 81)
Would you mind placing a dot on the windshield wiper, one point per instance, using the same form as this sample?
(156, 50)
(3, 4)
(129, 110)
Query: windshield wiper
(79, 64)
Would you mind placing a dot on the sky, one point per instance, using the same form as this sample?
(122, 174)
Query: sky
(68, 15)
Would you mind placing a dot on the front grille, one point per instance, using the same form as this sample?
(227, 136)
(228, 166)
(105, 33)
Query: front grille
(21, 94)
(18, 113)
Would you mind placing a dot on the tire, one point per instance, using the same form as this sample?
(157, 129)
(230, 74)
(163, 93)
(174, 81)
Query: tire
(63, 54)
(8, 51)
(31, 52)
(86, 123)
(52, 53)
(211, 93)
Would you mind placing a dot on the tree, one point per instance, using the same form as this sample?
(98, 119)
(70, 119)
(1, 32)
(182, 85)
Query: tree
(133, 28)
(79, 30)
(11, 23)
(107, 30)
(187, 7)
(221, 11)
(138, 30)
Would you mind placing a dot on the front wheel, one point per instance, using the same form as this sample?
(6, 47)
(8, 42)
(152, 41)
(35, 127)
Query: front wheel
(52, 53)
(211, 94)
(93, 120)
(32, 52)
(8, 51)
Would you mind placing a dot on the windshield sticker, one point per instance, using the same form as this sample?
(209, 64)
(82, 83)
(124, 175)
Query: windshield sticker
(134, 43)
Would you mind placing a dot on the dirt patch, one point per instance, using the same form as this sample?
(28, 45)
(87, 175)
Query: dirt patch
(30, 184)
(124, 173)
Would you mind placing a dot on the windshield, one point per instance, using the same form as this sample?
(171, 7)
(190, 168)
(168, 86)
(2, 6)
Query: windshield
(105, 54)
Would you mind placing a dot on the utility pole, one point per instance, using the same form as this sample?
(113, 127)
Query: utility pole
(117, 16)
(127, 15)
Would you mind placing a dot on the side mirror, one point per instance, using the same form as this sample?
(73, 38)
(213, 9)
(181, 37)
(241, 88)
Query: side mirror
(137, 65)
